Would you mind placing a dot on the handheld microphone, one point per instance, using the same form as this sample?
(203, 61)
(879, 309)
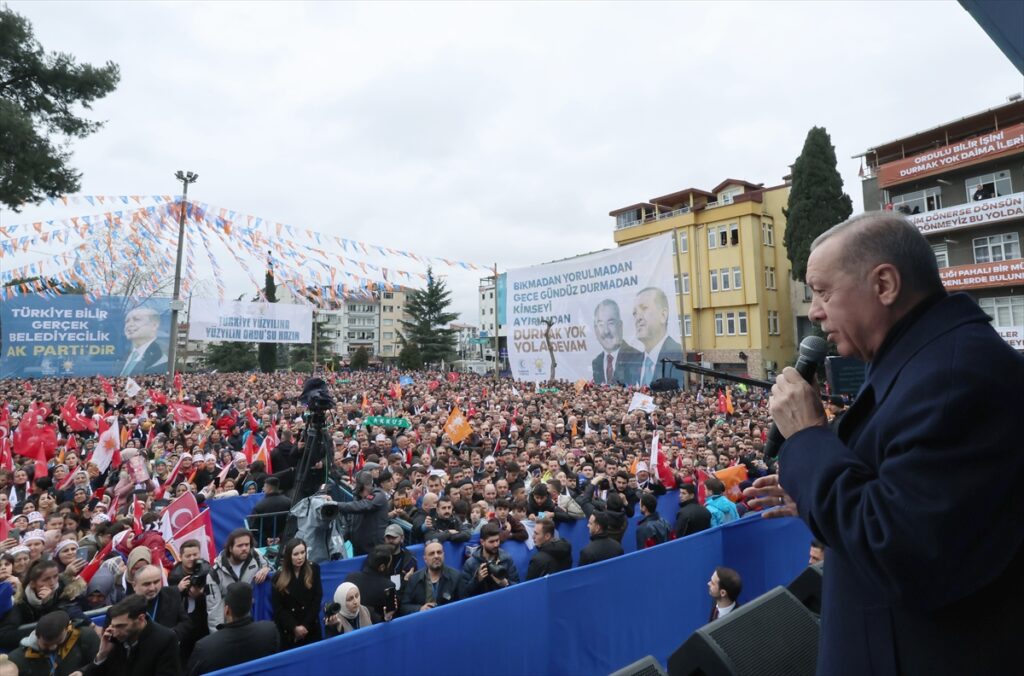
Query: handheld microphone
(812, 354)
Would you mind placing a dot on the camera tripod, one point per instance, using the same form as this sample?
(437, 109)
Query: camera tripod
(317, 448)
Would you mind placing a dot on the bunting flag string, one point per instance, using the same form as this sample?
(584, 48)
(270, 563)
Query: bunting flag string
(256, 222)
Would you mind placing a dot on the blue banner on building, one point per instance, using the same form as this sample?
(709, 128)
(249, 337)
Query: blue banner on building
(66, 336)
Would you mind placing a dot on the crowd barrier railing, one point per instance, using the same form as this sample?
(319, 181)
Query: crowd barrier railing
(592, 620)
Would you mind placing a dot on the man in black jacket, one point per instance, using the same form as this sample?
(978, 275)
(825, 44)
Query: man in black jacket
(651, 529)
(403, 563)
(370, 512)
(56, 639)
(274, 503)
(692, 517)
(239, 639)
(602, 546)
(285, 455)
(552, 555)
(435, 585)
(376, 590)
(164, 605)
(541, 505)
(442, 525)
(132, 645)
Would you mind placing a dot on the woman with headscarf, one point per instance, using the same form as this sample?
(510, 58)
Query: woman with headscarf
(351, 616)
(295, 597)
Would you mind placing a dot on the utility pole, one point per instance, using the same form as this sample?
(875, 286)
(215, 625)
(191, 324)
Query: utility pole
(176, 305)
(497, 341)
(315, 333)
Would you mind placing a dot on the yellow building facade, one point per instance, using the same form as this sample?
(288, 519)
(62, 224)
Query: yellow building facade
(732, 272)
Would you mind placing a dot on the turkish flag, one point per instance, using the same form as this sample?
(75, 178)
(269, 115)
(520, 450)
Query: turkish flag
(178, 514)
(250, 447)
(185, 412)
(200, 528)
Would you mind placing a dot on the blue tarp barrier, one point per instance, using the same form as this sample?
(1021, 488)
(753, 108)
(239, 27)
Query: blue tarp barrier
(227, 514)
(589, 620)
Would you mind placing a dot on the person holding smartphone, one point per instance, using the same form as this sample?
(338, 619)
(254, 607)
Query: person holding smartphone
(132, 645)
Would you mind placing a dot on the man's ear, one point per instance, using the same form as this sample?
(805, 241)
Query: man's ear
(886, 283)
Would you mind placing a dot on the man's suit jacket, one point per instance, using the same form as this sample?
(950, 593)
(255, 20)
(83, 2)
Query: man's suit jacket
(152, 358)
(918, 498)
(155, 654)
(670, 349)
(235, 643)
(625, 363)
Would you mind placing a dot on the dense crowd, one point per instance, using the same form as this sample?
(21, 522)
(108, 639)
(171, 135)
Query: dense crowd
(82, 535)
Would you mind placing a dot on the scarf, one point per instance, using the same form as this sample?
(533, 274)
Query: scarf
(340, 595)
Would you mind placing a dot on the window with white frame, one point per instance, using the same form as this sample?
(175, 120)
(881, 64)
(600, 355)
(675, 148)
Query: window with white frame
(712, 238)
(1006, 311)
(730, 323)
(986, 186)
(734, 234)
(723, 236)
(767, 233)
(388, 322)
(684, 242)
(773, 322)
(687, 326)
(686, 283)
(714, 281)
(742, 316)
(769, 277)
(919, 201)
(941, 254)
(726, 281)
(719, 324)
(737, 278)
(808, 294)
(388, 335)
(996, 248)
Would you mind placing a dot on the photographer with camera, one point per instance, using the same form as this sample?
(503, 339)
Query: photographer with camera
(189, 575)
(370, 514)
(377, 591)
(239, 562)
(489, 567)
(346, 613)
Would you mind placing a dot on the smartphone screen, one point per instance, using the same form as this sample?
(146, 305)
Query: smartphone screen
(14, 533)
(83, 554)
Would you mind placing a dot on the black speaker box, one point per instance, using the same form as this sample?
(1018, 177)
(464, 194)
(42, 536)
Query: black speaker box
(772, 635)
(665, 385)
(807, 587)
(648, 666)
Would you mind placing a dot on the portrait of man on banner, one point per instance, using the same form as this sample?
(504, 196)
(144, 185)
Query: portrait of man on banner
(617, 361)
(147, 355)
(650, 319)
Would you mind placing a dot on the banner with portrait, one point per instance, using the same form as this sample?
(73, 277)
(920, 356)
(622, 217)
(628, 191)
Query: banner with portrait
(70, 336)
(614, 316)
(239, 321)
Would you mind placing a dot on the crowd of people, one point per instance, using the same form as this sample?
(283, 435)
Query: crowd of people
(83, 536)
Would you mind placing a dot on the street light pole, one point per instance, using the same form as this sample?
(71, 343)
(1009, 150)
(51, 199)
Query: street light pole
(176, 305)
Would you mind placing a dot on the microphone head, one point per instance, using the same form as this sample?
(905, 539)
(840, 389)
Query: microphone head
(813, 349)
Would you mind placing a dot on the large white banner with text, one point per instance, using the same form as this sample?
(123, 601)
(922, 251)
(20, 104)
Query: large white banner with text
(615, 316)
(239, 321)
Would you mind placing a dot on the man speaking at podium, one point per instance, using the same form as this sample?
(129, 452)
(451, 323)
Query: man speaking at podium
(917, 493)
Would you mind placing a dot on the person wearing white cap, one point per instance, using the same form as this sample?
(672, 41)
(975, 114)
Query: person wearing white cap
(646, 482)
(35, 540)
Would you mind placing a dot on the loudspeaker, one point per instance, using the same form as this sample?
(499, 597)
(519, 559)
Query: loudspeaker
(648, 666)
(665, 385)
(773, 634)
(806, 587)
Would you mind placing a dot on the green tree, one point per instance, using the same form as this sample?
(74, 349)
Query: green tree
(410, 358)
(268, 351)
(40, 93)
(302, 354)
(360, 359)
(816, 200)
(231, 357)
(428, 327)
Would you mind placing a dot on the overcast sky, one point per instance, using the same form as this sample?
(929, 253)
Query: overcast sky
(500, 132)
